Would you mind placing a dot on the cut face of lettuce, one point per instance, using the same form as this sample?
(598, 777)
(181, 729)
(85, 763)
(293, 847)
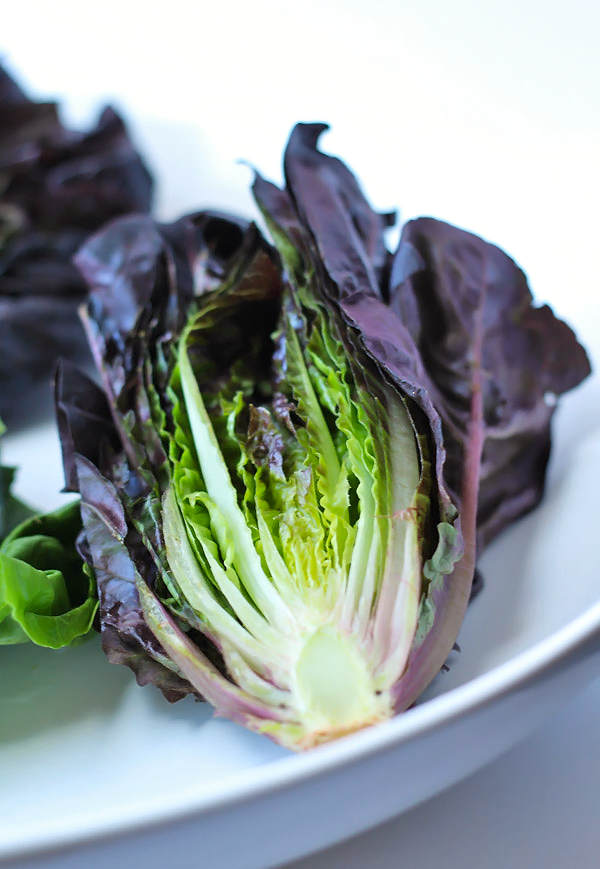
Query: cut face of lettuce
(297, 523)
(263, 473)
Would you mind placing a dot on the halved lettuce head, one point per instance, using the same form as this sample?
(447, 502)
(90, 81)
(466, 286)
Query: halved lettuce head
(263, 480)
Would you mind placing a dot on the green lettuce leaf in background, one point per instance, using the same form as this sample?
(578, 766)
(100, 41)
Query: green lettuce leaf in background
(47, 594)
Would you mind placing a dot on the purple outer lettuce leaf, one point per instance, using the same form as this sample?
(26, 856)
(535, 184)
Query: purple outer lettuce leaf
(495, 360)
(328, 199)
(126, 638)
(471, 314)
(143, 277)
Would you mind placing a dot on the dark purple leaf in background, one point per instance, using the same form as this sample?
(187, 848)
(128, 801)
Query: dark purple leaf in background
(57, 187)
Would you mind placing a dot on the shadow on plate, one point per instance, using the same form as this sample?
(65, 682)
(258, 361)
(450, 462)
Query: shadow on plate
(43, 689)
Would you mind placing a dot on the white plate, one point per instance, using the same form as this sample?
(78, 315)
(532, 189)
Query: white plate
(435, 120)
(85, 754)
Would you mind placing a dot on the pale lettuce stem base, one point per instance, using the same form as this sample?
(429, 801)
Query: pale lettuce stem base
(334, 686)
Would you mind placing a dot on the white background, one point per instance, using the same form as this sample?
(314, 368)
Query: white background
(486, 114)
